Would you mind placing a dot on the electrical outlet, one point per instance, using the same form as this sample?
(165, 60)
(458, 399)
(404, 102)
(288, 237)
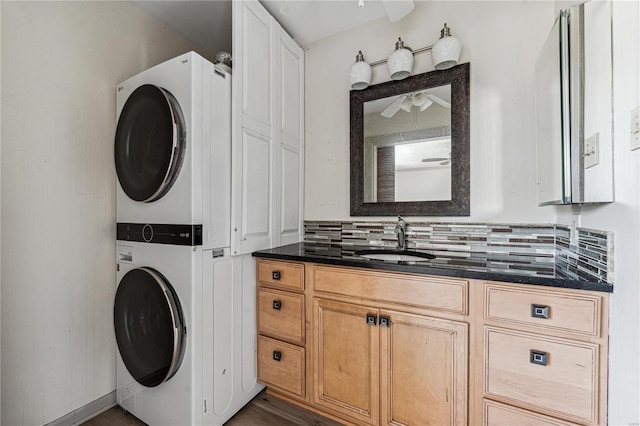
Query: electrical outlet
(635, 129)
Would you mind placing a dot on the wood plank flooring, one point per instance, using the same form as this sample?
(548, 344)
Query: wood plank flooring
(263, 410)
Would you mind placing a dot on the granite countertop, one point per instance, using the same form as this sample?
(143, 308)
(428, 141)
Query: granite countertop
(509, 269)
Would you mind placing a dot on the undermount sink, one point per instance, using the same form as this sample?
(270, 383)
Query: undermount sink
(395, 255)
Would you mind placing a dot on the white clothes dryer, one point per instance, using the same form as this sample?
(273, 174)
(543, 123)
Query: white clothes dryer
(184, 321)
(173, 153)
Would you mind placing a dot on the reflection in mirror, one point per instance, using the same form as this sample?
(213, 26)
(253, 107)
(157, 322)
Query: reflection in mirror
(407, 147)
(410, 146)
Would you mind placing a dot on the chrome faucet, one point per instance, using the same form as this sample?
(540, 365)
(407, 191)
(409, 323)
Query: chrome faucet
(401, 230)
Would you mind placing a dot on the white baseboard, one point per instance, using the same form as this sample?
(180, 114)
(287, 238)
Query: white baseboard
(86, 412)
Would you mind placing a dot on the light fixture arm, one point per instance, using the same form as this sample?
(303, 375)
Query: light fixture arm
(384, 61)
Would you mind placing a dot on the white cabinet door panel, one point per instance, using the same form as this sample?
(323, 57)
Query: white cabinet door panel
(290, 225)
(256, 192)
(291, 92)
(257, 69)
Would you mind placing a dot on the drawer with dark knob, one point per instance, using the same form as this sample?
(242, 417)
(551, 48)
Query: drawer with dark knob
(545, 374)
(563, 311)
(281, 366)
(281, 315)
(288, 275)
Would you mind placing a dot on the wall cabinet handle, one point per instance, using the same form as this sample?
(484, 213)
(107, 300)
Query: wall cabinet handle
(385, 321)
(539, 311)
(277, 356)
(277, 305)
(371, 319)
(538, 357)
(275, 275)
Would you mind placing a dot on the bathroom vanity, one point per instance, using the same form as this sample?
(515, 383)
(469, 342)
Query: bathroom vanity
(369, 342)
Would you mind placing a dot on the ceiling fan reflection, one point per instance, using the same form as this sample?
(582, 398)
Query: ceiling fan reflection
(442, 161)
(421, 100)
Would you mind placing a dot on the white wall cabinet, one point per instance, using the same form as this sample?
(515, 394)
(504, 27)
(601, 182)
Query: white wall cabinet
(267, 132)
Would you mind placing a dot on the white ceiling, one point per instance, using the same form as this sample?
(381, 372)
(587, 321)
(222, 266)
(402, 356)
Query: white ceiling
(208, 23)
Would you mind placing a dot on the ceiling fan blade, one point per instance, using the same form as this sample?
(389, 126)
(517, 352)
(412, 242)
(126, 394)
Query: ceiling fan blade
(434, 159)
(438, 100)
(393, 107)
(397, 9)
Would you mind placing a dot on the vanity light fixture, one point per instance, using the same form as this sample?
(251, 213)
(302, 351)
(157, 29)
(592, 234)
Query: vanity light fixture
(360, 73)
(400, 62)
(445, 53)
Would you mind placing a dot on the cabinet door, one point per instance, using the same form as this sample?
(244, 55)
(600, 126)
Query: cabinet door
(346, 360)
(252, 128)
(267, 139)
(423, 370)
(289, 130)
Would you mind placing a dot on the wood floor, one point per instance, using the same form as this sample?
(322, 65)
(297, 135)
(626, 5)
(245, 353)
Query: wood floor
(263, 410)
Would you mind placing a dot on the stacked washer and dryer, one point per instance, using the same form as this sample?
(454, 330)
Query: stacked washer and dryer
(184, 309)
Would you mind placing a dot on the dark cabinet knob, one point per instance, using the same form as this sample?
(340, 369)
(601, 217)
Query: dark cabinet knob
(277, 305)
(539, 311)
(385, 321)
(538, 357)
(277, 356)
(372, 319)
(275, 275)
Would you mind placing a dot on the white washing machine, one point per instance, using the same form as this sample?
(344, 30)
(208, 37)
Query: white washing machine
(173, 154)
(185, 327)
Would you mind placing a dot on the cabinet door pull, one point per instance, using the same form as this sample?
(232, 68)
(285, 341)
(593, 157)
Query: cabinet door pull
(277, 305)
(277, 356)
(539, 311)
(385, 321)
(275, 275)
(371, 319)
(538, 357)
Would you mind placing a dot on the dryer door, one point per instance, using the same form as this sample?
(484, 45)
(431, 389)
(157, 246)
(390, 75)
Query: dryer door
(149, 326)
(150, 143)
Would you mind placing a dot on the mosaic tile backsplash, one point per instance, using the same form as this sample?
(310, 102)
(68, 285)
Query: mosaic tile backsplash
(543, 250)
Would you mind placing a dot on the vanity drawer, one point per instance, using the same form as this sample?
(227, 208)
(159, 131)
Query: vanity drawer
(556, 375)
(281, 274)
(496, 414)
(549, 309)
(281, 315)
(281, 366)
(422, 291)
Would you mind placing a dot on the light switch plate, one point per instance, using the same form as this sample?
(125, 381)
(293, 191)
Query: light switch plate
(592, 151)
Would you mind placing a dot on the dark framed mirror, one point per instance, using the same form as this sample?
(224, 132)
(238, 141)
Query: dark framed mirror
(410, 146)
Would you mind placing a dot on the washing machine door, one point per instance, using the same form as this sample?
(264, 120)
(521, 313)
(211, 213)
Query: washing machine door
(150, 143)
(149, 326)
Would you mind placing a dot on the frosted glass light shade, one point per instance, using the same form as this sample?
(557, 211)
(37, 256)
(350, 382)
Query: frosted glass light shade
(360, 73)
(446, 53)
(400, 64)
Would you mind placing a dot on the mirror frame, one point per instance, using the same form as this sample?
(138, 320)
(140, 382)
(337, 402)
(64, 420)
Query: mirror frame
(459, 205)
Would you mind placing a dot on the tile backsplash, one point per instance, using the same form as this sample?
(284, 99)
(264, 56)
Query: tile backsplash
(543, 250)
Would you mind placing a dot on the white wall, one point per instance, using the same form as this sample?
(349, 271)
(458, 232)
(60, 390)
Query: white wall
(61, 62)
(500, 40)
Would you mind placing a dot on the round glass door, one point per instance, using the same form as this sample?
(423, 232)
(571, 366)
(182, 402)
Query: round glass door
(149, 326)
(150, 143)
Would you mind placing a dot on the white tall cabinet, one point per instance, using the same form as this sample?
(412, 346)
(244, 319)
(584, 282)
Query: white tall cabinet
(267, 132)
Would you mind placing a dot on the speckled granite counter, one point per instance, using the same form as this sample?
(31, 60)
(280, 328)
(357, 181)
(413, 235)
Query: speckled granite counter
(510, 269)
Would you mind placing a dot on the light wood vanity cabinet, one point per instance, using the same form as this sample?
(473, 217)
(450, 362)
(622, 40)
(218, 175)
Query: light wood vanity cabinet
(370, 347)
(544, 353)
(386, 349)
(281, 327)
